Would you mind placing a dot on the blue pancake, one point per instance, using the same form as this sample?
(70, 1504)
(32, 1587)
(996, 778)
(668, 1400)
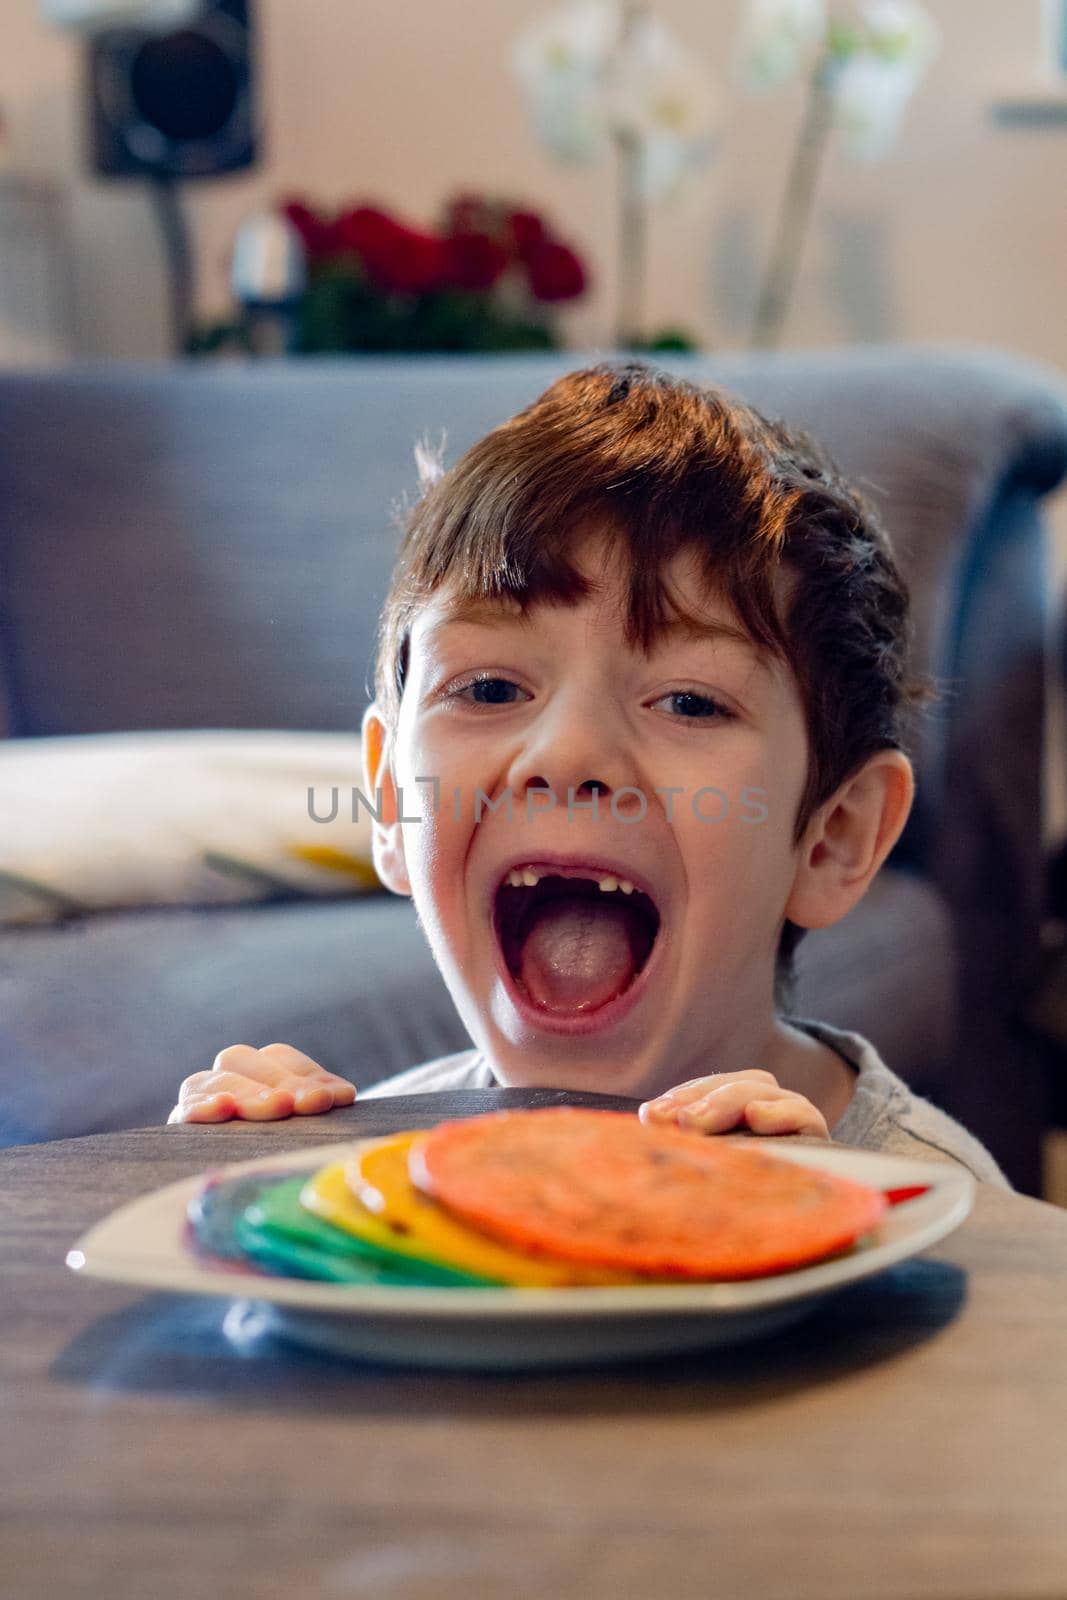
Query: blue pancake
(212, 1212)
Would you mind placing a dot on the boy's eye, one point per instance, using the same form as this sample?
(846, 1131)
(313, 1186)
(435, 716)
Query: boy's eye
(486, 691)
(693, 707)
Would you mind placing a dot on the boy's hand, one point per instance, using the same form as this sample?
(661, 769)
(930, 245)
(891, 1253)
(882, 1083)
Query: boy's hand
(260, 1086)
(727, 1100)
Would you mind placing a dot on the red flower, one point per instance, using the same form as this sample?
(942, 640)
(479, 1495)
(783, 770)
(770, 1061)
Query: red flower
(478, 239)
(554, 272)
(397, 258)
(466, 213)
(527, 231)
(475, 260)
(316, 233)
(366, 231)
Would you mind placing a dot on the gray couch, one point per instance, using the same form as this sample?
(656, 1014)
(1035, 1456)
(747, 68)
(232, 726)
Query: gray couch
(209, 547)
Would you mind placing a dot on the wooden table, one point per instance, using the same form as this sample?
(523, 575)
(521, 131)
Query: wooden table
(908, 1440)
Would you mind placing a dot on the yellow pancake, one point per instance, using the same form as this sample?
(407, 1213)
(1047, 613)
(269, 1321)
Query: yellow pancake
(378, 1180)
(328, 1196)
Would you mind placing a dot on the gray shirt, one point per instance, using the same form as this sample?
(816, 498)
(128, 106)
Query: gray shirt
(882, 1115)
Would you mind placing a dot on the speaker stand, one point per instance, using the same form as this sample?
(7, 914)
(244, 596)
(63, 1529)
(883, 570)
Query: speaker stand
(177, 258)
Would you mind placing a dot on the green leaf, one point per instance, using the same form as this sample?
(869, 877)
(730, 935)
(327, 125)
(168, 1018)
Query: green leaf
(843, 40)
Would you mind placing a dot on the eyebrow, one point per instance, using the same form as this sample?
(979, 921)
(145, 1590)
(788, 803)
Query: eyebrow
(488, 613)
(689, 629)
(483, 613)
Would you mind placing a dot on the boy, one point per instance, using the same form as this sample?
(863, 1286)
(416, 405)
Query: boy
(643, 672)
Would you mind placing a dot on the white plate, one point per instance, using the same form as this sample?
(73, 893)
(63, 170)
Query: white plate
(143, 1243)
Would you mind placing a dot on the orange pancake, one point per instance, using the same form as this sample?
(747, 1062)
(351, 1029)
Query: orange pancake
(602, 1187)
(378, 1177)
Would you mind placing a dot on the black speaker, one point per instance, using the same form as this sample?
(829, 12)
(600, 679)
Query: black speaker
(174, 105)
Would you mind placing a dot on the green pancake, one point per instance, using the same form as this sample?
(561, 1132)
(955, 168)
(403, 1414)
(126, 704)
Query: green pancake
(278, 1233)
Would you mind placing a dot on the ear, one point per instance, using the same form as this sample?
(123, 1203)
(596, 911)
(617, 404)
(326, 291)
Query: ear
(848, 838)
(387, 834)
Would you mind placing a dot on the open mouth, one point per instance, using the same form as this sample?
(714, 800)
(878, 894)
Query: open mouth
(573, 944)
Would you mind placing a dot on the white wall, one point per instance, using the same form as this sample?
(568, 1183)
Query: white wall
(960, 236)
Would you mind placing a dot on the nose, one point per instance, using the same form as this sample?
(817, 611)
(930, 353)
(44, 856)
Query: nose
(575, 747)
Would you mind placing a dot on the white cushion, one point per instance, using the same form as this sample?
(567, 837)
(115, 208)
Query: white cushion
(200, 818)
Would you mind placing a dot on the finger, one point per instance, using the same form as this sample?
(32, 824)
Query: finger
(203, 1084)
(759, 1073)
(219, 1108)
(791, 1115)
(235, 1058)
(242, 1060)
(310, 1100)
(280, 1066)
(314, 1090)
(723, 1108)
(315, 1078)
(306, 1095)
(684, 1094)
(197, 1084)
(217, 1096)
(204, 1108)
(264, 1105)
(293, 1060)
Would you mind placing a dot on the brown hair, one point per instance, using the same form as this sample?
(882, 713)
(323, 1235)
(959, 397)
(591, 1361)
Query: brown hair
(676, 466)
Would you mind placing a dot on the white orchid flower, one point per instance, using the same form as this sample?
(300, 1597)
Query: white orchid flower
(560, 60)
(778, 39)
(657, 91)
(585, 82)
(569, 120)
(869, 97)
(873, 86)
(901, 32)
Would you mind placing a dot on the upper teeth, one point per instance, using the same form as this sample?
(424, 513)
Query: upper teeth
(526, 877)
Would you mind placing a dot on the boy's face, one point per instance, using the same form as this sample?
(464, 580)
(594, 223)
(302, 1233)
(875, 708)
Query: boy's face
(565, 990)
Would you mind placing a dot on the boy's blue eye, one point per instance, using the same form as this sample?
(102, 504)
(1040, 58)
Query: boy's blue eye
(492, 688)
(695, 707)
(488, 691)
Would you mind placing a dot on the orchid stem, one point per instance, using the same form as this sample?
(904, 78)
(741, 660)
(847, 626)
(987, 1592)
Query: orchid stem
(776, 290)
(633, 242)
(633, 219)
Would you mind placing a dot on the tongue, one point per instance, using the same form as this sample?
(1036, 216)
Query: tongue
(577, 954)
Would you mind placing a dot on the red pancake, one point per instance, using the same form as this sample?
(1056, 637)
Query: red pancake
(603, 1188)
